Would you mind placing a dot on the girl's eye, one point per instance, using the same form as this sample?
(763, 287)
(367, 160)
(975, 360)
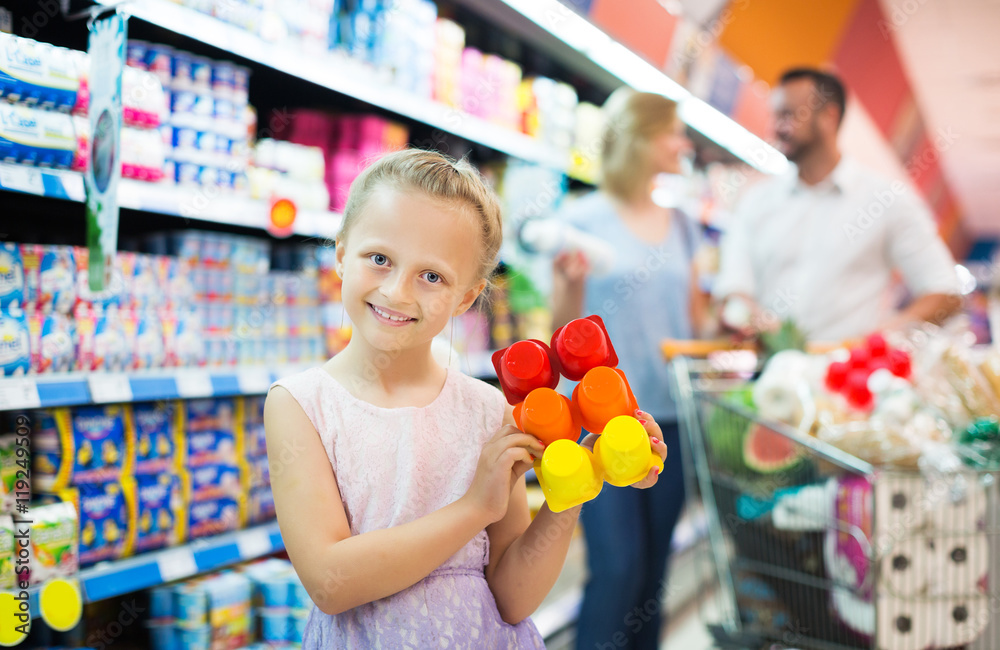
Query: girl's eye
(379, 259)
(432, 277)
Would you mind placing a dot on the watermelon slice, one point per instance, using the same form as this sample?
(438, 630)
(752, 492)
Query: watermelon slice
(767, 451)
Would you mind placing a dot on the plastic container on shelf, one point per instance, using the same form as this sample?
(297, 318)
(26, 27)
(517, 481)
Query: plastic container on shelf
(32, 136)
(37, 73)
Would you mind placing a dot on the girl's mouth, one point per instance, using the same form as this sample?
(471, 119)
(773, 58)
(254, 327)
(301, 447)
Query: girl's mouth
(389, 317)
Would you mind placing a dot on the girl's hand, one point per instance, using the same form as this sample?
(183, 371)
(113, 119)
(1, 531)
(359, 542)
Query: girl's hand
(502, 463)
(656, 445)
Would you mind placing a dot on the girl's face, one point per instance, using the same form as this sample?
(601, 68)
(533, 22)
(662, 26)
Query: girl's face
(668, 147)
(408, 265)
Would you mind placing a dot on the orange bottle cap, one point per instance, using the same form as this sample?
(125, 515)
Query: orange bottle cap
(546, 415)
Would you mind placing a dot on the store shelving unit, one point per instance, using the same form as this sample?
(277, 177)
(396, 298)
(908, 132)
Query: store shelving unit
(202, 204)
(111, 579)
(78, 388)
(345, 76)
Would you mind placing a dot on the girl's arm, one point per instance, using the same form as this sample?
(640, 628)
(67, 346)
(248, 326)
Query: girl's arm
(527, 556)
(341, 571)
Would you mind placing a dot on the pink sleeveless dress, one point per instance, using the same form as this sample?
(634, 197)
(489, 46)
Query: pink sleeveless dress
(394, 466)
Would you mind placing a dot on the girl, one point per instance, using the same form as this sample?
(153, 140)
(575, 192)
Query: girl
(650, 294)
(399, 483)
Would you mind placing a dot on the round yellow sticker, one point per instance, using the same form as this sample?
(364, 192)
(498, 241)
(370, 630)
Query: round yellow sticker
(61, 604)
(15, 620)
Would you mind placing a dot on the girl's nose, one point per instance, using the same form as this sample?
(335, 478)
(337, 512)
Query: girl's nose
(397, 288)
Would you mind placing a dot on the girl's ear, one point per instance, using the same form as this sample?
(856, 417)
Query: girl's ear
(339, 253)
(470, 297)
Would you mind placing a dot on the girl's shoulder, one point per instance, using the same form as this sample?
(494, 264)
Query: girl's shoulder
(472, 391)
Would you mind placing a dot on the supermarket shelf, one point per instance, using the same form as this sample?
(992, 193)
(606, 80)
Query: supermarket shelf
(111, 579)
(76, 388)
(199, 203)
(345, 76)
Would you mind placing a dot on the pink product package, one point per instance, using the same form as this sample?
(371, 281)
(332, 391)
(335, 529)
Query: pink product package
(311, 128)
(342, 168)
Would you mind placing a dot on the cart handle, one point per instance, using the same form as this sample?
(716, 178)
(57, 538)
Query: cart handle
(702, 348)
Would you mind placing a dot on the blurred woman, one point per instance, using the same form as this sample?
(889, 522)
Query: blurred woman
(650, 294)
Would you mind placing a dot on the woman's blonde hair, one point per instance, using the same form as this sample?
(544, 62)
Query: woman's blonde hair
(440, 177)
(631, 121)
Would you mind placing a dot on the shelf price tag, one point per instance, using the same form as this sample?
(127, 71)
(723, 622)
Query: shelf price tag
(254, 543)
(106, 388)
(176, 563)
(253, 381)
(22, 179)
(18, 393)
(192, 383)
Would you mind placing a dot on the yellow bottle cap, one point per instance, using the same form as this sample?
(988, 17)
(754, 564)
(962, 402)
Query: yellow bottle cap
(624, 452)
(568, 475)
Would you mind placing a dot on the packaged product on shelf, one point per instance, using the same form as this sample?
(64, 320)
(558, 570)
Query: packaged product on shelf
(103, 341)
(32, 136)
(206, 482)
(183, 338)
(54, 541)
(12, 288)
(8, 557)
(143, 329)
(260, 506)
(106, 513)
(116, 291)
(250, 416)
(50, 276)
(154, 437)
(219, 605)
(15, 342)
(206, 432)
(259, 472)
(37, 73)
(9, 475)
(86, 444)
(213, 516)
(53, 342)
(158, 503)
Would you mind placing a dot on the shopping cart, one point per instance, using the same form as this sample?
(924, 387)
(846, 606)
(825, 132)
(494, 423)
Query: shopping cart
(829, 551)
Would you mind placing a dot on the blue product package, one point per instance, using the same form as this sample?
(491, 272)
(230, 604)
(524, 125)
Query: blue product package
(201, 73)
(36, 137)
(297, 626)
(260, 505)
(275, 625)
(298, 597)
(190, 606)
(182, 76)
(214, 481)
(37, 73)
(105, 520)
(161, 603)
(199, 638)
(223, 78)
(57, 279)
(154, 439)
(157, 498)
(12, 290)
(212, 517)
(274, 590)
(15, 342)
(88, 444)
(135, 54)
(159, 61)
(163, 636)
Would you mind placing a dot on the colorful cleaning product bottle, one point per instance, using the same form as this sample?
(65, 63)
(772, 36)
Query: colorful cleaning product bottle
(624, 453)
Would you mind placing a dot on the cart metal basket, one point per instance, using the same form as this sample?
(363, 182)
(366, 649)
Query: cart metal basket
(859, 558)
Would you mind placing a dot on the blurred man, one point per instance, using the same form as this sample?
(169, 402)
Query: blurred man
(820, 245)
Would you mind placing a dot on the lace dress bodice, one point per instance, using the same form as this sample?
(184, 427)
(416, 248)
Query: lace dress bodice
(394, 466)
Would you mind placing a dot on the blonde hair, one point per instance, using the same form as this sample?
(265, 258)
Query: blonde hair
(631, 120)
(440, 177)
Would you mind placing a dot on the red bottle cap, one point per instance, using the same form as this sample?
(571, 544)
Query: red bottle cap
(877, 347)
(581, 345)
(523, 367)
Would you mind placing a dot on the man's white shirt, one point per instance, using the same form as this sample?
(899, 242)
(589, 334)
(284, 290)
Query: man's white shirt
(824, 255)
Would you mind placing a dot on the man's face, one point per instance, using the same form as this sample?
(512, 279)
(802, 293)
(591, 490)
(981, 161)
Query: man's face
(797, 105)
